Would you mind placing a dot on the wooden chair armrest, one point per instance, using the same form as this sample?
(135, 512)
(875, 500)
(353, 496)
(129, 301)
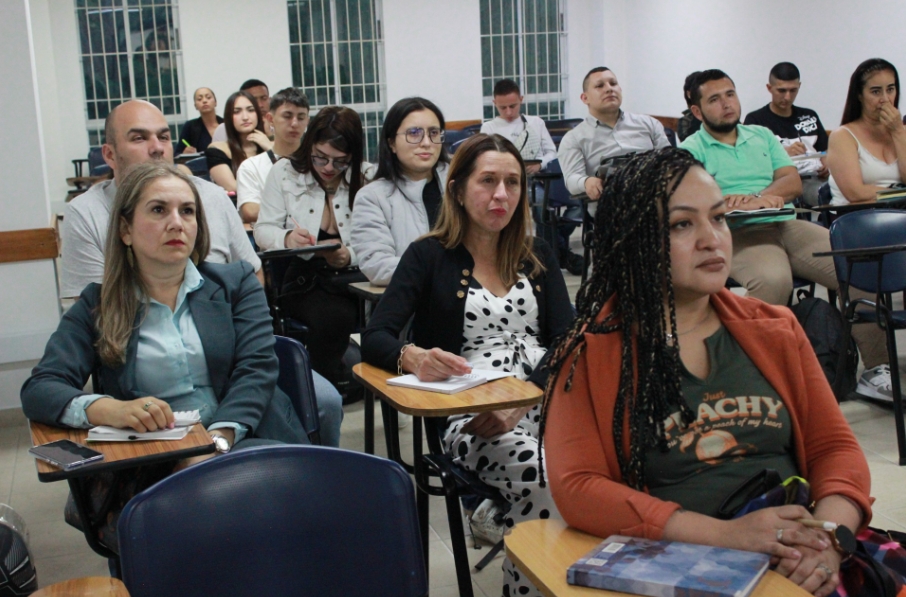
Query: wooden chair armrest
(91, 586)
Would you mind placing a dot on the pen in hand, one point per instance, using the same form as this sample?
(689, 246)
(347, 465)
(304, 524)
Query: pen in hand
(296, 224)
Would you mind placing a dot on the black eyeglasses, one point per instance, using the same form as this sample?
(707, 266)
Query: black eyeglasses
(338, 164)
(416, 134)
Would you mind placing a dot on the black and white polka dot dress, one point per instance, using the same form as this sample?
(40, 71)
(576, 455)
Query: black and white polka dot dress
(500, 333)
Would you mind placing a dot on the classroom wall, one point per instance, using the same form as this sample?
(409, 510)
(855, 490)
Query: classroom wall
(28, 312)
(826, 39)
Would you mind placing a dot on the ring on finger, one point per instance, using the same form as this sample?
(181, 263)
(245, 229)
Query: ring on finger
(826, 570)
(147, 405)
(779, 535)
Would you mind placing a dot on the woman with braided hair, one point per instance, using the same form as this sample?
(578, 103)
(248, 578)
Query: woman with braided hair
(647, 438)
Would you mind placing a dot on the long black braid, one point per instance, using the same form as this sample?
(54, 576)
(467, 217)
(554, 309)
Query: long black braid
(631, 249)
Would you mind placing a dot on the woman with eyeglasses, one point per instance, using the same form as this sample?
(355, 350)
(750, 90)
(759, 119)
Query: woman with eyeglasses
(307, 200)
(404, 200)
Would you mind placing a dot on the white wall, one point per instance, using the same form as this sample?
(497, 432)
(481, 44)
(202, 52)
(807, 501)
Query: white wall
(425, 54)
(826, 39)
(226, 42)
(28, 312)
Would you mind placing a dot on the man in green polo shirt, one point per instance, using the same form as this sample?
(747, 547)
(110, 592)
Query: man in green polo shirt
(754, 171)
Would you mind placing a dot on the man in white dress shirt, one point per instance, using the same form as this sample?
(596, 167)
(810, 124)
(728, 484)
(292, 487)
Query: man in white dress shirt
(530, 136)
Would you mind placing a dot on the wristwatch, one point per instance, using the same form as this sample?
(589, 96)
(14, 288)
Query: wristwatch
(221, 444)
(843, 540)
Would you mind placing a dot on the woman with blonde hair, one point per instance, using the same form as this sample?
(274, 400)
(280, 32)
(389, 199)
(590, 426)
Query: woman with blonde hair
(481, 292)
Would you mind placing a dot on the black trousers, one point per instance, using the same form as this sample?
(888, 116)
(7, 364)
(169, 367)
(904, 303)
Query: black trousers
(329, 315)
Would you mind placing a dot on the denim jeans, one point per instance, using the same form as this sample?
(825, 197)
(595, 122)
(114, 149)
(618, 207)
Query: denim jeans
(330, 410)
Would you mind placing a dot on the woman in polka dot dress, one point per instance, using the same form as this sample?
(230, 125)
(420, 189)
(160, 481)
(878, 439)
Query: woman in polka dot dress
(482, 293)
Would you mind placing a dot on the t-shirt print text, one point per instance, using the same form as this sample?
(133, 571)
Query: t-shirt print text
(808, 124)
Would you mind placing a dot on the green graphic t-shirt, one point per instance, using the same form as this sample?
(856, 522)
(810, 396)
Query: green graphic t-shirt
(742, 427)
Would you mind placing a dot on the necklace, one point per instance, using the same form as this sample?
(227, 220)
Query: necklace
(672, 339)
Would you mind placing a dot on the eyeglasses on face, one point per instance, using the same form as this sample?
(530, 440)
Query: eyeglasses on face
(416, 134)
(338, 163)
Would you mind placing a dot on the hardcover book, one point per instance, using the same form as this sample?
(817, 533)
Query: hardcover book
(668, 568)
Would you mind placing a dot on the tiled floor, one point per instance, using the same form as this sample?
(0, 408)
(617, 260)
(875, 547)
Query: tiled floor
(60, 551)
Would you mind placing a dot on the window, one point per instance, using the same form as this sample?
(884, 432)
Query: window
(525, 40)
(129, 49)
(337, 54)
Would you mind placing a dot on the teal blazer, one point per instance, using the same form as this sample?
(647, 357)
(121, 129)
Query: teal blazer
(234, 324)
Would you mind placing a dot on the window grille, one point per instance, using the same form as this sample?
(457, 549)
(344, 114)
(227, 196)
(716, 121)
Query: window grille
(525, 40)
(337, 53)
(130, 49)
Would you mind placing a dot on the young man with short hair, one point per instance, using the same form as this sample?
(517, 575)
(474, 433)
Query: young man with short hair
(528, 133)
(753, 171)
(286, 120)
(799, 129)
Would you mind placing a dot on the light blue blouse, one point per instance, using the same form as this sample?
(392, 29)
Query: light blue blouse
(170, 362)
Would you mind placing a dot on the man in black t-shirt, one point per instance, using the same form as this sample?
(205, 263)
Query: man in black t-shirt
(799, 129)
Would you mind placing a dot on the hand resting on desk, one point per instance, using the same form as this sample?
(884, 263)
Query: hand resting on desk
(750, 202)
(131, 414)
(434, 364)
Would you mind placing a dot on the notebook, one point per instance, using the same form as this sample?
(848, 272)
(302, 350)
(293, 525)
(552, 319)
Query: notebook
(451, 385)
(184, 421)
(668, 568)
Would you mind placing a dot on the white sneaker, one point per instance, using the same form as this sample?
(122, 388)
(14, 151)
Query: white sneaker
(484, 525)
(403, 420)
(875, 383)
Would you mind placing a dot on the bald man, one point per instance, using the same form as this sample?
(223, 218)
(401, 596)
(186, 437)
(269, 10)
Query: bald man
(136, 132)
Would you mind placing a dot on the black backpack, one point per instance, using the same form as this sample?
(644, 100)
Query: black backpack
(823, 325)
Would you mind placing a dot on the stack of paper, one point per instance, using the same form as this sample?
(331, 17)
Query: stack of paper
(451, 385)
(184, 421)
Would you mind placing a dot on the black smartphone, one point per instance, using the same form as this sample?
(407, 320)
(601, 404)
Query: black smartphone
(66, 454)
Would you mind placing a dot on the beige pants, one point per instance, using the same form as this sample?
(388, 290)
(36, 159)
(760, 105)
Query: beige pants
(766, 257)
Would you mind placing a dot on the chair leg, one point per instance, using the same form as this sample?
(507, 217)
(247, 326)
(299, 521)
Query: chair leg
(492, 553)
(897, 393)
(457, 536)
(369, 422)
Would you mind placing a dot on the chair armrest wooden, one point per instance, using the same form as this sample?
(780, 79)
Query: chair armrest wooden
(91, 586)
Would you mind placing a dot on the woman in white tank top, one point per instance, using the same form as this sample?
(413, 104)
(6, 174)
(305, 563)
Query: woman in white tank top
(868, 153)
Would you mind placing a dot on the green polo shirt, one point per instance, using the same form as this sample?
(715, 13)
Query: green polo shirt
(746, 168)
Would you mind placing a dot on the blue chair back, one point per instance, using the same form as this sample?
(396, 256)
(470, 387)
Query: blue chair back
(96, 164)
(296, 381)
(866, 229)
(199, 167)
(558, 192)
(453, 139)
(277, 521)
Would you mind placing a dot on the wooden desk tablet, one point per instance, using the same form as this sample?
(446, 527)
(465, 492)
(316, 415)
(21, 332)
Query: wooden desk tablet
(508, 392)
(544, 549)
(367, 290)
(117, 455)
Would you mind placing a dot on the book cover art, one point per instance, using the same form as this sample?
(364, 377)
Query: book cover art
(668, 568)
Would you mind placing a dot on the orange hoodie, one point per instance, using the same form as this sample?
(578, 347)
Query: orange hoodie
(580, 456)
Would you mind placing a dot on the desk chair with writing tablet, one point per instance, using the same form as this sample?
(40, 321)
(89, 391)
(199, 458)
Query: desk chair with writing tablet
(276, 521)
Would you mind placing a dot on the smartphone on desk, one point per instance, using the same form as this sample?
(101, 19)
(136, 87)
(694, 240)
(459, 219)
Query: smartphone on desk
(66, 454)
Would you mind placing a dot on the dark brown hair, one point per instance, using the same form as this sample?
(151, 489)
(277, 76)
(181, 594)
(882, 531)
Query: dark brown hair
(234, 140)
(340, 127)
(853, 108)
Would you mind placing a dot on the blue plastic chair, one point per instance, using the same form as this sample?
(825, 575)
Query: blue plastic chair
(869, 250)
(276, 521)
(296, 381)
(199, 167)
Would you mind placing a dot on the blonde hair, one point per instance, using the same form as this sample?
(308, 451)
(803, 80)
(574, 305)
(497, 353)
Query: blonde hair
(119, 304)
(514, 245)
